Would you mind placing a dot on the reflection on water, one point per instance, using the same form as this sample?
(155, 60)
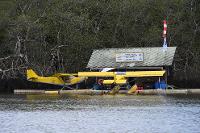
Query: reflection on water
(134, 114)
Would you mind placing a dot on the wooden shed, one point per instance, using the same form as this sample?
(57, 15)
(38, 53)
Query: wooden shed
(134, 59)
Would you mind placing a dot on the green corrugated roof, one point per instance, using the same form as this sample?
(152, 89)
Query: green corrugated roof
(153, 57)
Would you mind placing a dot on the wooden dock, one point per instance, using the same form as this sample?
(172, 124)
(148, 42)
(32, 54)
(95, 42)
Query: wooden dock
(107, 92)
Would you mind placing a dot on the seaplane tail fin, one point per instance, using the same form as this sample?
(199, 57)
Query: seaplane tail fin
(31, 74)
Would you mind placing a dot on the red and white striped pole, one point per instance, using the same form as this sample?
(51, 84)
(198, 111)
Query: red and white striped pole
(164, 35)
(165, 28)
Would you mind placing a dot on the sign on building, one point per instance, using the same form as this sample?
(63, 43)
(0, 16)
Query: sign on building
(129, 57)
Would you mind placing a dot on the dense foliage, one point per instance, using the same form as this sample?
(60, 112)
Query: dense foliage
(43, 34)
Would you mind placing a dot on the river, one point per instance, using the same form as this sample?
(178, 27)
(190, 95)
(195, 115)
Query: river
(99, 114)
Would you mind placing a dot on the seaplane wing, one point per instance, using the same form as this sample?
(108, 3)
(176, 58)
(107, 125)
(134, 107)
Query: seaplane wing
(61, 75)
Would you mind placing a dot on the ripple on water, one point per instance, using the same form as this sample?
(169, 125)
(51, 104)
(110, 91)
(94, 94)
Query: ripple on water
(133, 114)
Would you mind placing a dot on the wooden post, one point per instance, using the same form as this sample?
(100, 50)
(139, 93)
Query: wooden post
(159, 83)
(166, 73)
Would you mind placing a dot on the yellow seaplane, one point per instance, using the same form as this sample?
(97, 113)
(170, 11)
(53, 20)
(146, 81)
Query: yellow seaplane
(67, 79)
(61, 79)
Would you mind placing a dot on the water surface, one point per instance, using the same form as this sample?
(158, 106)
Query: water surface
(99, 114)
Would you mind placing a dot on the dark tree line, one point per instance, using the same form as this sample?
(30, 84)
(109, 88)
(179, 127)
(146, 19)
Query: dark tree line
(42, 34)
